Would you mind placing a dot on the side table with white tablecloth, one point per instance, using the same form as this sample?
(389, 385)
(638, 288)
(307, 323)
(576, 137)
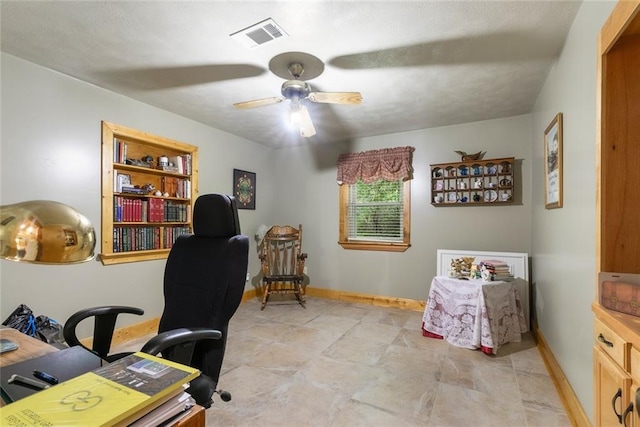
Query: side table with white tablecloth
(474, 314)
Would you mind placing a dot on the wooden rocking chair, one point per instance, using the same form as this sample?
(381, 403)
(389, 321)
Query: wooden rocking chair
(283, 263)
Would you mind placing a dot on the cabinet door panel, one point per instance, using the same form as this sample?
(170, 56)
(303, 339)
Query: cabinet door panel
(613, 384)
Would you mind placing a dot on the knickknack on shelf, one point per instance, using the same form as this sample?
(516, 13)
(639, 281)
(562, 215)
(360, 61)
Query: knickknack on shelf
(473, 183)
(149, 184)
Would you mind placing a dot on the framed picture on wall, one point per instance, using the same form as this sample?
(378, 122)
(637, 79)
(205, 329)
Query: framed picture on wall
(553, 163)
(244, 188)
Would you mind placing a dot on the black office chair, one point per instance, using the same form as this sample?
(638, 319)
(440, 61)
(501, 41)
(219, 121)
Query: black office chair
(204, 278)
(179, 345)
(104, 325)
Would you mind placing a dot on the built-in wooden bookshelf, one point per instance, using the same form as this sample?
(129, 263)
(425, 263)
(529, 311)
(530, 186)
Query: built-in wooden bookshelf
(149, 184)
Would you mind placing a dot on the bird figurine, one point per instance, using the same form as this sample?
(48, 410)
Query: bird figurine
(477, 156)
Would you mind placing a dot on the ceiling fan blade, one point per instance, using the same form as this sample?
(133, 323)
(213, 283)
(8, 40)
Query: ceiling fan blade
(155, 78)
(496, 47)
(307, 129)
(352, 98)
(258, 103)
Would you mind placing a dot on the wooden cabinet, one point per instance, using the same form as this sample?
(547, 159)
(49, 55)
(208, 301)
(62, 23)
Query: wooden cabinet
(149, 184)
(617, 354)
(472, 183)
(618, 149)
(612, 376)
(616, 367)
(614, 384)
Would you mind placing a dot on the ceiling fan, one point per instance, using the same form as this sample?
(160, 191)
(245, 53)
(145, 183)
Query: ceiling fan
(292, 66)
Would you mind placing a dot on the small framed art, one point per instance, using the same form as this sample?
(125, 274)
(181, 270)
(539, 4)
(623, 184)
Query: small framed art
(553, 163)
(244, 188)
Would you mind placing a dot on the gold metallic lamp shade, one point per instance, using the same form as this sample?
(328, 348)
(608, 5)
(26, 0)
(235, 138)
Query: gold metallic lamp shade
(45, 232)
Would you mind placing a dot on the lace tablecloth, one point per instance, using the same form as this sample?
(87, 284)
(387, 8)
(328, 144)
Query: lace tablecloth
(473, 314)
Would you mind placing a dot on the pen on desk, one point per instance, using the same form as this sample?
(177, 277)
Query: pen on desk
(48, 378)
(15, 378)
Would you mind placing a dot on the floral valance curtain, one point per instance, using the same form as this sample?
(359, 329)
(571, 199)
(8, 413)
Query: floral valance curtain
(390, 164)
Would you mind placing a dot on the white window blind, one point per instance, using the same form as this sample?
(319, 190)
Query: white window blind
(375, 211)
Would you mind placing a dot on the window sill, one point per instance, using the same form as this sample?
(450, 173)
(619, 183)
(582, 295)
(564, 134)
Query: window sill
(375, 246)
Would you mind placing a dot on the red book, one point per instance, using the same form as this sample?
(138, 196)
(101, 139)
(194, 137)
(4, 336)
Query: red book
(160, 212)
(138, 210)
(130, 210)
(126, 206)
(151, 209)
(153, 203)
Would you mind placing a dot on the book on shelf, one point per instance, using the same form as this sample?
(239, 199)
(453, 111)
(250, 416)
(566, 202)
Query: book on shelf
(145, 210)
(121, 182)
(133, 190)
(155, 210)
(115, 394)
(119, 151)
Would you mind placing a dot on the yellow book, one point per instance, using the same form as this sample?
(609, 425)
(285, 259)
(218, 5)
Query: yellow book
(102, 397)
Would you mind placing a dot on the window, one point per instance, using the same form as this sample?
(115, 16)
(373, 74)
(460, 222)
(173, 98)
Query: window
(375, 216)
(375, 199)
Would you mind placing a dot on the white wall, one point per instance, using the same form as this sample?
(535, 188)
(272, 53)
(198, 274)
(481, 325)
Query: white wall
(312, 199)
(564, 239)
(51, 138)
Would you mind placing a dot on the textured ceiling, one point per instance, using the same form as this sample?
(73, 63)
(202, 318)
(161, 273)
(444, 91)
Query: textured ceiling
(417, 64)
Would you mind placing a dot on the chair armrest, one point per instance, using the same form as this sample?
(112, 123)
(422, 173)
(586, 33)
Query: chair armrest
(105, 323)
(300, 267)
(264, 266)
(178, 336)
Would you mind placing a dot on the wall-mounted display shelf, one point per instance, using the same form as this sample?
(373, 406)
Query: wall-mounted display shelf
(473, 183)
(149, 184)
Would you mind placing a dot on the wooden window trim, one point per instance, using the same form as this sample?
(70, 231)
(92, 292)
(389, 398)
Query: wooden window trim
(375, 246)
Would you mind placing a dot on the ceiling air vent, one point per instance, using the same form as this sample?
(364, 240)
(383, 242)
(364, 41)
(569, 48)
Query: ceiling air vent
(259, 34)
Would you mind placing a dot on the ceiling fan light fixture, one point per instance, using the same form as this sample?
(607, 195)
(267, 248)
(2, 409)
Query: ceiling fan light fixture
(300, 119)
(295, 117)
(307, 130)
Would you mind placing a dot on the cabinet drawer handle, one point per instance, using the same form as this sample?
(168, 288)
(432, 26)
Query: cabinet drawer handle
(603, 340)
(617, 396)
(625, 414)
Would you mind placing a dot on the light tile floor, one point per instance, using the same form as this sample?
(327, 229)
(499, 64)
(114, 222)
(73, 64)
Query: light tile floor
(341, 364)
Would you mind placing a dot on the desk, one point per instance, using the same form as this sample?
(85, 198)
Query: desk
(473, 314)
(30, 348)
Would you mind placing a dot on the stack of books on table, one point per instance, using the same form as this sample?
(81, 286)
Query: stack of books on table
(499, 269)
(138, 387)
(168, 413)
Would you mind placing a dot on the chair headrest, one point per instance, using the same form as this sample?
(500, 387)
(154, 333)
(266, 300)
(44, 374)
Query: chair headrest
(216, 215)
